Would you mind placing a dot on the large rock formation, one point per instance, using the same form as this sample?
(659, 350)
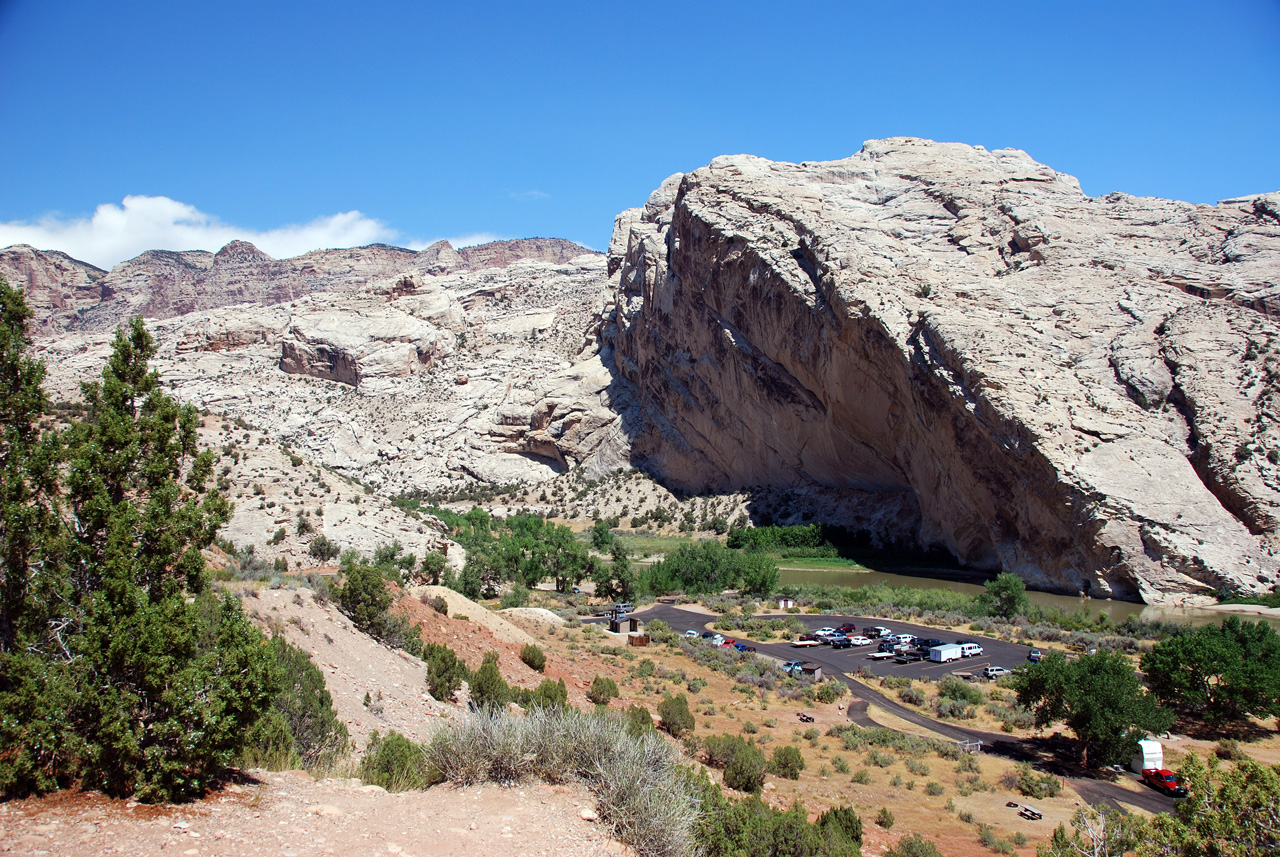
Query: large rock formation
(1078, 390)
(411, 382)
(70, 295)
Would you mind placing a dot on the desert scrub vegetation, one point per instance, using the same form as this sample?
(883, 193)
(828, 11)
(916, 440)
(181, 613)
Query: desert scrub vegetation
(857, 738)
(397, 764)
(300, 729)
(640, 782)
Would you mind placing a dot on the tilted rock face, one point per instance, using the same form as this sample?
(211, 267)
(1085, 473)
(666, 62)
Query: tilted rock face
(57, 287)
(1078, 390)
(70, 295)
(366, 380)
(351, 348)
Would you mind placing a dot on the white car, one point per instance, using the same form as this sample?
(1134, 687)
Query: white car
(825, 632)
(860, 641)
(996, 672)
(691, 633)
(802, 644)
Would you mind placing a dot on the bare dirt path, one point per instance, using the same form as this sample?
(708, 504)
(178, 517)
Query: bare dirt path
(290, 815)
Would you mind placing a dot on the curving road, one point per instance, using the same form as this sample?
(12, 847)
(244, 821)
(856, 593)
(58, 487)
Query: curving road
(837, 663)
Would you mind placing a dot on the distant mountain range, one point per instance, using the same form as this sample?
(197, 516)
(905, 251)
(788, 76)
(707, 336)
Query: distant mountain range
(68, 294)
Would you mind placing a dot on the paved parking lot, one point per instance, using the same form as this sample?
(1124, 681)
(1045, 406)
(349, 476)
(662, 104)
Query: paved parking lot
(996, 652)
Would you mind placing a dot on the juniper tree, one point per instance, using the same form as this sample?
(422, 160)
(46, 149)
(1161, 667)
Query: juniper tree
(118, 669)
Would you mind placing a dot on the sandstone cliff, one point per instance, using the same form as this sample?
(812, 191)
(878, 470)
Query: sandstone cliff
(974, 352)
(71, 295)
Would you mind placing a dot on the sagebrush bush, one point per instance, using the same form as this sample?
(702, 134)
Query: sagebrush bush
(642, 792)
(884, 818)
(912, 696)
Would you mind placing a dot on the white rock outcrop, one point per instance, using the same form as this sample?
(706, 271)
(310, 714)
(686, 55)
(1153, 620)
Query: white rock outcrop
(1078, 390)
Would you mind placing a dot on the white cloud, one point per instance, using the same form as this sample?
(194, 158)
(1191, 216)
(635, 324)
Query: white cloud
(118, 232)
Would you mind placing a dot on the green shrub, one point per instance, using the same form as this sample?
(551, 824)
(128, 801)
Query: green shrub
(445, 671)
(879, 758)
(861, 777)
(841, 764)
(913, 845)
(915, 766)
(397, 764)
(516, 596)
(952, 687)
(270, 745)
(884, 818)
(602, 690)
(787, 762)
(534, 658)
(933, 789)
(305, 705)
(829, 691)
(744, 769)
(912, 696)
(842, 823)
(639, 720)
(1037, 785)
(676, 717)
(548, 693)
(488, 688)
(1229, 749)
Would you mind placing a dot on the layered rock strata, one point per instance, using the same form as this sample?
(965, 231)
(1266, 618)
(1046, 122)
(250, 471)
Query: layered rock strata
(982, 358)
(71, 295)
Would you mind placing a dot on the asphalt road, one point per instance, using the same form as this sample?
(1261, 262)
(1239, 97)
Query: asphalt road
(836, 663)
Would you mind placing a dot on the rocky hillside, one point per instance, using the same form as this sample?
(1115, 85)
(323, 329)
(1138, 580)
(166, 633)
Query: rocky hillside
(72, 295)
(935, 344)
(408, 382)
(1080, 390)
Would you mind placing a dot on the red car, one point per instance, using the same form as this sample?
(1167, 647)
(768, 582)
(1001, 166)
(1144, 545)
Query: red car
(728, 642)
(1163, 780)
(847, 628)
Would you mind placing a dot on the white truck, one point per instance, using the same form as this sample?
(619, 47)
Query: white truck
(946, 653)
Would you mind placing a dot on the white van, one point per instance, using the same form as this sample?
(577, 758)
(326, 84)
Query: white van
(905, 639)
(970, 650)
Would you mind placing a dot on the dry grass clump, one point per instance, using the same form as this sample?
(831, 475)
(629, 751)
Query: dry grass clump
(636, 779)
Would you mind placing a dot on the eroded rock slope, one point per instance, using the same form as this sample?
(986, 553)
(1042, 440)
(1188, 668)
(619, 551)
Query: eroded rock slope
(972, 354)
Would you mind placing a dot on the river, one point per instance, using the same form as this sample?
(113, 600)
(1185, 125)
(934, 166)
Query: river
(1116, 611)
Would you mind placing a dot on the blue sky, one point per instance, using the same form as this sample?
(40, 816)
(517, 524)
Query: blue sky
(320, 123)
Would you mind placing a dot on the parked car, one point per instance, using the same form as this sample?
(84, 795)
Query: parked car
(906, 639)
(743, 647)
(707, 635)
(1035, 656)
(841, 643)
(802, 642)
(860, 641)
(624, 607)
(825, 632)
(994, 672)
(847, 628)
(717, 640)
(930, 643)
(878, 631)
(1163, 780)
(792, 665)
(909, 655)
(727, 642)
(970, 650)
(691, 633)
